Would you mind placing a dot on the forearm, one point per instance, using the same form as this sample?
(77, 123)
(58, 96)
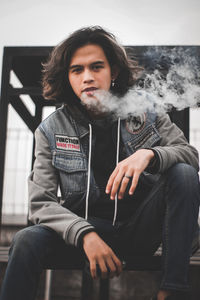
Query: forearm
(173, 147)
(170, 155)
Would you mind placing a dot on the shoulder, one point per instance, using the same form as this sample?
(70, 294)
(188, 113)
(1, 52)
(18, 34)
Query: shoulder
(59, 112)
(164, 121)
(55, 120)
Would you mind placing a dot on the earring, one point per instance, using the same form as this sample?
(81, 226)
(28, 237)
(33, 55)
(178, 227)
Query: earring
(112, 82)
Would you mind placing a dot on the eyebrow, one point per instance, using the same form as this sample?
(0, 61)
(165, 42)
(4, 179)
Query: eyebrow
(98, 62)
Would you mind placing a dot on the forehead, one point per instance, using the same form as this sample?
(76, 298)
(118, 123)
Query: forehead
(87, 54)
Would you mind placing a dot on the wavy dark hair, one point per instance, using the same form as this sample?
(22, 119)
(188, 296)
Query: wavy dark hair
(55, 71)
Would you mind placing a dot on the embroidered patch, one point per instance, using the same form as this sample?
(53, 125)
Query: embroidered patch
(135, 123)
(64, 142)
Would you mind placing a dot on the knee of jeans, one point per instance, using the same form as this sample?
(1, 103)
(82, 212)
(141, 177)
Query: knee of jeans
(183, 174)
(20, 241)
(183, 180)
(25, 241)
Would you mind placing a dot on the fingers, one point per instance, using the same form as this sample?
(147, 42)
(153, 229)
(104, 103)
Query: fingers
(133, 166)
(123, 187)
(115, 181)
(134, 183)
(116, 184)
(118, 265)
(93, 269)
(103, 268)
(108, 266)
(122, 181)
(111, 267)
(111, 180)
(114, 265)
(100, 256)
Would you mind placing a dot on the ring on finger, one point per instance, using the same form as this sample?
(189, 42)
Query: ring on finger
(127, 176)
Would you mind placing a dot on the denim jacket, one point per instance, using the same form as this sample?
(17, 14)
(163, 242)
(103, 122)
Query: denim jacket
(62, 143)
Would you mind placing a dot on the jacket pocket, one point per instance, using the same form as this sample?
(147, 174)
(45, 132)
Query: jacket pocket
(72, 168)
(149, 137)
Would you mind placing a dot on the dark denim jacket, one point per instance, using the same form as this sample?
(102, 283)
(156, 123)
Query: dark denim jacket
(68, 142)
(62, 155)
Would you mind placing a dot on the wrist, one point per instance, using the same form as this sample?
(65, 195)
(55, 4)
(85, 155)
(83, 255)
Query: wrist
(151, 154)
(153, 162)
(89, 236)
(82, 235)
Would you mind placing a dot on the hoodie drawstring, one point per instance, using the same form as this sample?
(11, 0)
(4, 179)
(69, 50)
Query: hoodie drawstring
(117, 161)
(89, 170)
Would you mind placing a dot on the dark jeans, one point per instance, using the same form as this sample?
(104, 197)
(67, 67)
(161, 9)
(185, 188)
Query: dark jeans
(168, 215)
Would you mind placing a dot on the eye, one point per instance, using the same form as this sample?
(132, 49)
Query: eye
(76, 70)
(97, 67)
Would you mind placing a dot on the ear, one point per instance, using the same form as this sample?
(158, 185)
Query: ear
(114, 72)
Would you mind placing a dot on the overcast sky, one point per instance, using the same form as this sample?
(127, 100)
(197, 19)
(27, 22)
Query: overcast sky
(141, 22)
(46, 22)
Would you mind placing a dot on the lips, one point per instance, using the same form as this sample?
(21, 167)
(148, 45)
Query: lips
(90, 89)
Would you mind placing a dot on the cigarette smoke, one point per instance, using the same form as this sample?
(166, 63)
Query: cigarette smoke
(172, 81)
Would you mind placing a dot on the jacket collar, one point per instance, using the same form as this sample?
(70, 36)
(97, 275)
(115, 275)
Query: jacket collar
(81, 119)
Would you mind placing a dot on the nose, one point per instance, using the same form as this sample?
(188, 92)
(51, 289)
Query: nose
(88, 76)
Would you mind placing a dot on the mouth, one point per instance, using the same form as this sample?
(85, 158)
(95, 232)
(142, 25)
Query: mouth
(89, 91)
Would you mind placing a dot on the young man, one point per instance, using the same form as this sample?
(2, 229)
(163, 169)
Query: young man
(108, 209)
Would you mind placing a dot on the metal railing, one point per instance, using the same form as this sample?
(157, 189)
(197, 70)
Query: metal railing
(17, 169)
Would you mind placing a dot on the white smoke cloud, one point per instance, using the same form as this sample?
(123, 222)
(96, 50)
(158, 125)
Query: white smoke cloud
(175, 83)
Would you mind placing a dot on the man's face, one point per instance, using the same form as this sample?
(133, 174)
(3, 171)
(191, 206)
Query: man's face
(89, 71)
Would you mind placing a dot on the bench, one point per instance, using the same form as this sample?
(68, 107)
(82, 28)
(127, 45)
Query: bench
(133, 264)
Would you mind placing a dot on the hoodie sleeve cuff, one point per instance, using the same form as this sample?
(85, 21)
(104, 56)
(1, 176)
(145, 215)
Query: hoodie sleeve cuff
(76, 232)
(154, 164)
(81, 235)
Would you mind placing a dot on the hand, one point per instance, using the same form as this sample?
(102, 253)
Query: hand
(99, 253)
(132, 166)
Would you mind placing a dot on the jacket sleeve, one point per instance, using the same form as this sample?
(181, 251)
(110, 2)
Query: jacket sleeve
(44, 207)
(173, 147)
